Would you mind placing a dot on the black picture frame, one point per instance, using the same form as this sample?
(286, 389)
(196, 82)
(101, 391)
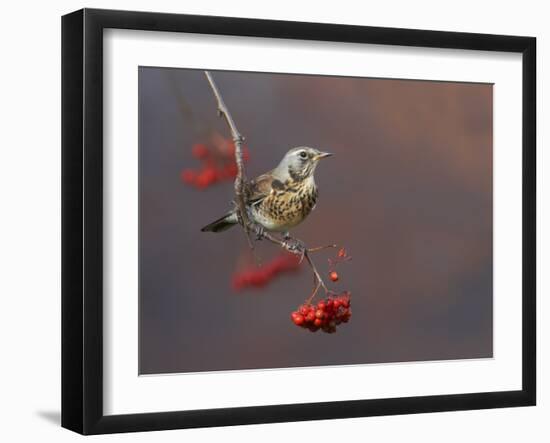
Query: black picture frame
(82, 220)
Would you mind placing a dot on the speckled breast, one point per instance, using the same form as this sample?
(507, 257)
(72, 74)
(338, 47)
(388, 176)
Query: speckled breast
(284, 209)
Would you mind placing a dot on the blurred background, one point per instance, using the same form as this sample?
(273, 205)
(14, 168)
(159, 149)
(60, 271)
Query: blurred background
(408, 193)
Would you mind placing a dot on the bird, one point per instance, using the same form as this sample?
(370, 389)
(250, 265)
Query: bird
(281, 198)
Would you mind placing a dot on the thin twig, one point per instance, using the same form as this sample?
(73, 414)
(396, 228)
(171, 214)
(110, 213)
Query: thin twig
(321, 248)
(314, 269)
(315, 290)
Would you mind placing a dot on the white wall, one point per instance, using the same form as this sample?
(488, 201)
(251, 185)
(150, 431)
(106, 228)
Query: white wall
(30, 218)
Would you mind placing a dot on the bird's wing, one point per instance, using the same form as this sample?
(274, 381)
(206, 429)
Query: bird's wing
(262, 186)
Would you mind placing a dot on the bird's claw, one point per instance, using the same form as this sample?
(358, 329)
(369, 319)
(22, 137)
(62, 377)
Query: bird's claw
(259, 232)
(294, 245)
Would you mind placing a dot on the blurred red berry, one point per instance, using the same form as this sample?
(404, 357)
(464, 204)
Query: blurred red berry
(205, 178)
(333, 276)
(341, 253)
(201, 182)
(188, 176)
(260, 276)
(230, 150)
(231, 170)
(210, 174)
(218, 158)
(200, 151)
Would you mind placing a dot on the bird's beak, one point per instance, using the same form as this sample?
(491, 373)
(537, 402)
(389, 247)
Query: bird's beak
(323, 155)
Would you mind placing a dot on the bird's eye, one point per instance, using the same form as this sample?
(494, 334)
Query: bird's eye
(303, 154)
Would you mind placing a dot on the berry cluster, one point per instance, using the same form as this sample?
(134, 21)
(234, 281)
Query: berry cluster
(340, 258)
(325, 315)
(259, 277)
(218, 163)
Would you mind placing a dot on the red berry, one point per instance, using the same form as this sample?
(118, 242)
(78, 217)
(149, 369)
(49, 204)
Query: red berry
(188, 176)
(206, 177)
(342, 253)
(201, 182)
(297, 318)
(333, 276)
(254, 276)
(230, 150)
(325, 315)
(200, 151)
(231, 170)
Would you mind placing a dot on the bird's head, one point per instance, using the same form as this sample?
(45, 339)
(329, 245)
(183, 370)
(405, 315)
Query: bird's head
(300, 163)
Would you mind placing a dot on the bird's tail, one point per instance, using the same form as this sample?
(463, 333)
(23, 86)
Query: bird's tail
(222, 224)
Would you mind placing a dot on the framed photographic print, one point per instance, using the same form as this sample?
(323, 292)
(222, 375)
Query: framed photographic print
(269, 221)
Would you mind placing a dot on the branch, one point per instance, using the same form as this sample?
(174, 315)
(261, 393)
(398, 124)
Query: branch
(294, 246)
(238, 140)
